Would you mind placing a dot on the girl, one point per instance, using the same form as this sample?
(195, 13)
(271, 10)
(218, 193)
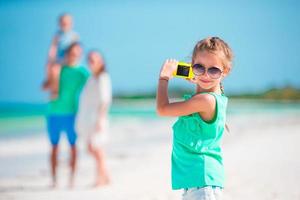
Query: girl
(197, 165)
(62, 110)
(92, 117)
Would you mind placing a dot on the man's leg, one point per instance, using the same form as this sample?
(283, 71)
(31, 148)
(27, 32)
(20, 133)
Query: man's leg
(53, 125)
(72, 138)
(73, 162)
(53, 160)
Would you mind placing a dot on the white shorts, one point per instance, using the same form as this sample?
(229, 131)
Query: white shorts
(202, 193)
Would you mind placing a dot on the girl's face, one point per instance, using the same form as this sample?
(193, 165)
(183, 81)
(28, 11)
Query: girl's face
(210, 79)
(96, 62)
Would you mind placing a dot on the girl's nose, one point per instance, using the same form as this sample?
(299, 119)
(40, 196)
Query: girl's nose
(205, 74)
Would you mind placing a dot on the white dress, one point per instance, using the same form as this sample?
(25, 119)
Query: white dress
(96, 93)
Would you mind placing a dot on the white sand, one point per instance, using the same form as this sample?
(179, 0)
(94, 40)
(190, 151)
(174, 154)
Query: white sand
(261, 155)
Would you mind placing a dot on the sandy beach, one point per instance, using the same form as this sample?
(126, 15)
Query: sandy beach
(260, 154)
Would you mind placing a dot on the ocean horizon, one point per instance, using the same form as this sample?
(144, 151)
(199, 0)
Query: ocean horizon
(23, 119)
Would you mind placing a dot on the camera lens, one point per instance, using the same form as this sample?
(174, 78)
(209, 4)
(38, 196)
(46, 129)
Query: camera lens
(183, 70)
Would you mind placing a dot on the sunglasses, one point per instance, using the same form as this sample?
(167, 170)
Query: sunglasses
(213, 72)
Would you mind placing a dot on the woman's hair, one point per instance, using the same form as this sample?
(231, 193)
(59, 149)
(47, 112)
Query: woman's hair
(216, 46)
(103, 68)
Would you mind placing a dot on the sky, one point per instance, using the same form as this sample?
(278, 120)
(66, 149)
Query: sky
(136, 37)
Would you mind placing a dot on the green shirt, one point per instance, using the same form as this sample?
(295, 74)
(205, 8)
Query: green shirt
(71, 82)
(196, 155)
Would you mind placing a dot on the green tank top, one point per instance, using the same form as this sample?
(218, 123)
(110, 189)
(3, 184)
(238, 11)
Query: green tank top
(196, 155)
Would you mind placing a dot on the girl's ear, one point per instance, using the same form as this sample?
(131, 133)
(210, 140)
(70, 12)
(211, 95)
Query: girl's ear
(226, 71)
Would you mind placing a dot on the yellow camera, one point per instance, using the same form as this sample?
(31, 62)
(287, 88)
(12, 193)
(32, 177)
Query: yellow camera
(184, 70)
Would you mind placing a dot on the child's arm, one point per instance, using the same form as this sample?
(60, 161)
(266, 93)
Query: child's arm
(202, 103)
(51, 59)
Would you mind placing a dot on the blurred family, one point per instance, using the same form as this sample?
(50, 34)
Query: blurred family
(79, 101)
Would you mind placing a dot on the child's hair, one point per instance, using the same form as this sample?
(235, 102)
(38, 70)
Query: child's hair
(60, 17)
(216, 46)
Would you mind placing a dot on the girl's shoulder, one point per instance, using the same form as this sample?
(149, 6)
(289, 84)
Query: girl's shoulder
(206, 98)
(214, 105)
(200, 102)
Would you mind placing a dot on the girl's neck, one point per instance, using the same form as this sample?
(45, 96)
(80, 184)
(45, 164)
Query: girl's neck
(216, 90)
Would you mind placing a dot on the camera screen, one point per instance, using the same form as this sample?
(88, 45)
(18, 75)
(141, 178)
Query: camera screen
(183, 70)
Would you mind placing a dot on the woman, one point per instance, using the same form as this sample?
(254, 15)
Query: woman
(92, 120)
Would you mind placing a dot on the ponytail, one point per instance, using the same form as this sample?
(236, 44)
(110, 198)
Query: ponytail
(222, 90)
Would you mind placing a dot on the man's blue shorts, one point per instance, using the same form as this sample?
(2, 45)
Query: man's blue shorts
(61, 123)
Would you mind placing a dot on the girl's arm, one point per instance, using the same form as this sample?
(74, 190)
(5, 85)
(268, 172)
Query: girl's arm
(199, 103)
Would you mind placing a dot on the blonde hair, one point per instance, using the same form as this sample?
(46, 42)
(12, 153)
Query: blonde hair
(216, 46)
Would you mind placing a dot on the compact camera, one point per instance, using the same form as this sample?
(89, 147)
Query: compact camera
(184, 70)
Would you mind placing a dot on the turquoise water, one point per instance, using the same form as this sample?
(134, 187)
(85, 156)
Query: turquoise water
(27, 119)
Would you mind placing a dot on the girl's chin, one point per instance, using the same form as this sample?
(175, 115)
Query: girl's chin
(205, 85)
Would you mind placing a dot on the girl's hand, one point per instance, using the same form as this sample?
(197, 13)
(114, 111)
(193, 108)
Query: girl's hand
(168, 68)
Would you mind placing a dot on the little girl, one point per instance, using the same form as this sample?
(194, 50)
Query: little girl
(197, 165)
(92, 120)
